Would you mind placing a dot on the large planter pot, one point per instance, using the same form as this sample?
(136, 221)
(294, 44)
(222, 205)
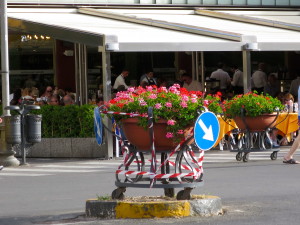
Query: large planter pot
(139, 137)
(257, 123)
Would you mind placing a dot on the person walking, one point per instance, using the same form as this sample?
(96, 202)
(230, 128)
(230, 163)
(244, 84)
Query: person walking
(288, 158)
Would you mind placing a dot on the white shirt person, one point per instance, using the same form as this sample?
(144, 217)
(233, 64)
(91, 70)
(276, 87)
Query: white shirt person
(121, 80)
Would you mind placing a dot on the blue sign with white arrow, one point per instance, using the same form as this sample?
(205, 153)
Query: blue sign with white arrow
(206, 130)
(98, 126)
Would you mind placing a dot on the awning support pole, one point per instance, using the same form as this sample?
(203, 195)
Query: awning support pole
(193, 65)
(197, 65)
(247, 71)
(202, 71)
(81, 73)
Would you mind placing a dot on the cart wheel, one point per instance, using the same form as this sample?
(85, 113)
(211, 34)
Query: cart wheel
(246, 157)
(184, 194)
(273, 156)
(118, 193)
(169, 192)
(239, 156)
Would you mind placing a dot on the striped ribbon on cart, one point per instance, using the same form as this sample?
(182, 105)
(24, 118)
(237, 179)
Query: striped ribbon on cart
(196, 172)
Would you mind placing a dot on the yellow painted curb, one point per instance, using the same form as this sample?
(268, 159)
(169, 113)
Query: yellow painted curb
(135, 210)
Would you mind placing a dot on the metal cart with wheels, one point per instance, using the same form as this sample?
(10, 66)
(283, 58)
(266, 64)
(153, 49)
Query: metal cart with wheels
(180, 167)
(249, 140)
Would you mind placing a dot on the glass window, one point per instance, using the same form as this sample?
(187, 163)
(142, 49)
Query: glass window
(210, 2)
(268, 2)
(239, 2)
(30, 58)
(225, 2)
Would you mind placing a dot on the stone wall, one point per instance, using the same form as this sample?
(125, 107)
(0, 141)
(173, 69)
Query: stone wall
(65, 148)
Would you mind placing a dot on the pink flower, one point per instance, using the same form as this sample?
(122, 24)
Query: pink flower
(171, 122)
(144, 115)
(180, 132)
(143, 103)
(168, 104)
(149, 88)
(164, 89)
(183, 104)
(185, 98)
(130, 89)
(193, 100)
(194, 96)
(205, 102)
(122, 94)
(153, 96)
(174, 89)
(169, 135)
(176, 85)
(157, 106)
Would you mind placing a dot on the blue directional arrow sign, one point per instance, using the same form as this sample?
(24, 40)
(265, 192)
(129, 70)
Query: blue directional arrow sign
(206, 130)
(98, 126)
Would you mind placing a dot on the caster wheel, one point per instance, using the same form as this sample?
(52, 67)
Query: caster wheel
(118, 194)
(239, 156)
(273, 156)
(169, 192)
(184, 195)
(246, 157)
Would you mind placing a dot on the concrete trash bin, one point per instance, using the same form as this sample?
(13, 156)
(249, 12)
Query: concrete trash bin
(33, 128)
(13, 129)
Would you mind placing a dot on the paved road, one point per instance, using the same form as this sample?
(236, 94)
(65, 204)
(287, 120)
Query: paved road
(50, 191)
(50, 167)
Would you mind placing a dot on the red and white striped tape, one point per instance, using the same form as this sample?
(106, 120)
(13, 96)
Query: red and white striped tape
(153, 175)
(185, 167)
(124, 113)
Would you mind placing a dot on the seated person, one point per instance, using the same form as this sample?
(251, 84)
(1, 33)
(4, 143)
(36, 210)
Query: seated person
(53, 100)
(149, 79)
(190, 84)
(68, 100)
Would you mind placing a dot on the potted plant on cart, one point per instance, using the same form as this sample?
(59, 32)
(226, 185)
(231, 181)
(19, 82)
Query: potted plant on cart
(175, 110)
(253, 111)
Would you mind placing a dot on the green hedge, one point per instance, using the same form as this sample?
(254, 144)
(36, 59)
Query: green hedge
(66, 121)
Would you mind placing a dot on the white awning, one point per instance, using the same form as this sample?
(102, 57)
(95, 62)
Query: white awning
(166, 30)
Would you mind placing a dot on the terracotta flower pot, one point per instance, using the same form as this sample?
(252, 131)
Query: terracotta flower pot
(257, 123)
(140, 138)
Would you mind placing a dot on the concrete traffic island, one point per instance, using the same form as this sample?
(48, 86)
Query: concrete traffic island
(154, 207)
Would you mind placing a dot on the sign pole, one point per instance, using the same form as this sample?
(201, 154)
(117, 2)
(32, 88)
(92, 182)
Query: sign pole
(7, 157)
(4, 57)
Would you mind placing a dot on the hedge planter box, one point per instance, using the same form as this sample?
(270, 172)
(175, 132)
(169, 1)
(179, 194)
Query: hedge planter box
(66, 148)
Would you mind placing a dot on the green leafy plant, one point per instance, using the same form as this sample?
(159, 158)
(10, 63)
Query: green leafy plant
(253, 105)
(176, 105)
(214, 103)
(66, 121)
(104, 197)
